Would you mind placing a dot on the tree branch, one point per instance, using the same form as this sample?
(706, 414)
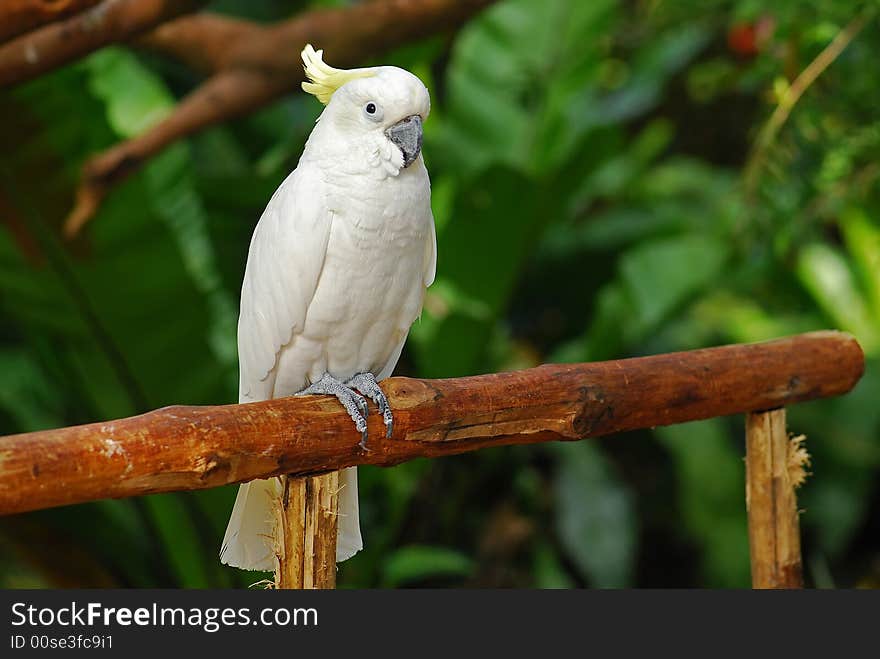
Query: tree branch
(256, 67)
(224, 96)
(189, 448)
(20, 16)
(204, 42)
(56, 44)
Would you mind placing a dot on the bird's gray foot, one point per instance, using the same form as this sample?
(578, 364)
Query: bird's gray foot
(367, 385)
(353, 402)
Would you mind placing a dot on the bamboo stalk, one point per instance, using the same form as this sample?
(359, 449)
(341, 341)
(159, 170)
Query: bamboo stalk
(774, 532)
(305, 536)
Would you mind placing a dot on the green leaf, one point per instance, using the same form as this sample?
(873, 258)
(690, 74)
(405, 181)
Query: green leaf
(827, 276)
(183, 549)
(26, 393)
(457, 322)
(652, 67)
(655, 278)
(659, 276)
(743, 320)
(711, 484)
(135, 99)
(595, 515)
(862, 236)
(417, 563)
(548, 569)
(513, 71)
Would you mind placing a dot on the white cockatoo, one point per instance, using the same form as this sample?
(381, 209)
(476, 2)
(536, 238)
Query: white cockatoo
(336, 274)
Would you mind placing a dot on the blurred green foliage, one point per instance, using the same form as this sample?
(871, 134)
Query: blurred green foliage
(587, 161)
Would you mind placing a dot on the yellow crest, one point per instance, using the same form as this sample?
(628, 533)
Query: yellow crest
(323, 78)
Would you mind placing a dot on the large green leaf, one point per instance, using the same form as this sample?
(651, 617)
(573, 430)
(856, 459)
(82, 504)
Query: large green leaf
(862, 235)
(828, 277)
(711, 495)
(513, 72)
(595, 515)
(136, 99)
(467, 298)
(416, 563)
(656, 278)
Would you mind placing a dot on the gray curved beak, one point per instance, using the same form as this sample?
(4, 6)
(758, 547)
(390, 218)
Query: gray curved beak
(407, 135)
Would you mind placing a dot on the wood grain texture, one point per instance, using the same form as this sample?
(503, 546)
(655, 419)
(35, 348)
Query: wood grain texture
(190, 448)
(774, 529)
(306, 520)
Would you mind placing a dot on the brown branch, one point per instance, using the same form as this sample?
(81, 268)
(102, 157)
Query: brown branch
(205, 42)
(18, 230)
(260, 69)
(189, 448)
(20, 16)
(112, 21)
(224, 96)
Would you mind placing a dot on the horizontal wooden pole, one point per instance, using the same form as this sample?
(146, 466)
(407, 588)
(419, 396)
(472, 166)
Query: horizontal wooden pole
(190, 448)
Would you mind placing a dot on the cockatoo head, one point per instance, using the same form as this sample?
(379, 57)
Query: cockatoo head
(381, 107)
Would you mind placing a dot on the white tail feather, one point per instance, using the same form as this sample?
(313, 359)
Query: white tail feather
(348, 530)
(248, 543)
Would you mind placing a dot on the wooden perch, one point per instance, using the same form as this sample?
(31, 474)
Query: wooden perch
(190, 448)
(305, 532)
(774, 468)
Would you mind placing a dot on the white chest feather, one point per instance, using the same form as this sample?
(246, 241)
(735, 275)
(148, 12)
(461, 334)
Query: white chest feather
(371, 284)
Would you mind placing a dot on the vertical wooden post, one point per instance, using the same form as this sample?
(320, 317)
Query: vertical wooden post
(774, 533)
(305, 532)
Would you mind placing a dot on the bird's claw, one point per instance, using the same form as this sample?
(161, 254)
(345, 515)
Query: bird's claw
(367, 385)
(353, 402)
(388, 418)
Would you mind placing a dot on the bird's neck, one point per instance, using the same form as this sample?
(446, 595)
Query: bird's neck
(369, 154)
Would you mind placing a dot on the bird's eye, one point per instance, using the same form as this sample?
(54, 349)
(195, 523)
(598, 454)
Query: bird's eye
(372, 111)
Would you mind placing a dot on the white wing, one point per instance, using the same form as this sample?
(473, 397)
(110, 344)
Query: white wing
(431, 256)
(284, 264)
